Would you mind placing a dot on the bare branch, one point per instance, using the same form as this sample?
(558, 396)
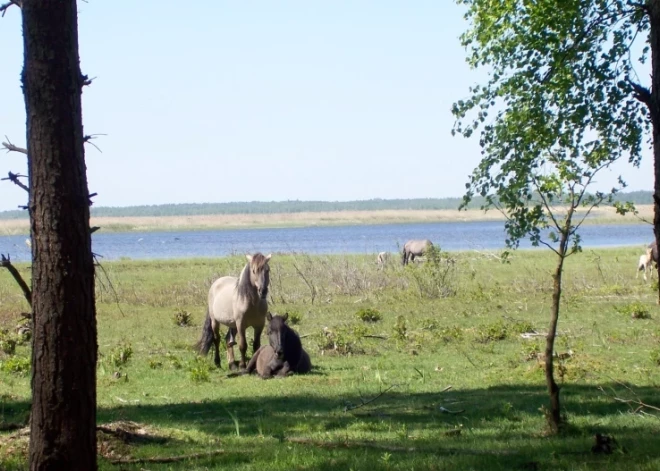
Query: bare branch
(3, 8)
(12, 148)
(88, 138)
(6, 262)
(641, 93)
(14, 178)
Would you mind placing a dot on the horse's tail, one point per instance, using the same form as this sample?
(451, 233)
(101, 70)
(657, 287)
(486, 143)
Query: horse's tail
(403, 256)
(205, 342)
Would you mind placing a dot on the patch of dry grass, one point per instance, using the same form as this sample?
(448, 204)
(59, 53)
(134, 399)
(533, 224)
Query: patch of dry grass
(233, 221)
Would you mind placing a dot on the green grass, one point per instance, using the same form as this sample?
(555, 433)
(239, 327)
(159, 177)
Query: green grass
(449, 325)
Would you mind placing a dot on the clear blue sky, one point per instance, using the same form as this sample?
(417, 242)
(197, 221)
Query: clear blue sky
(216, 101)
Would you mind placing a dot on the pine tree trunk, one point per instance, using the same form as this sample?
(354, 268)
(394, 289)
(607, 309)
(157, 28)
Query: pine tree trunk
(63, 417)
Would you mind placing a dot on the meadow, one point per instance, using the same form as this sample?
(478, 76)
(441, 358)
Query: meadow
(435, 366)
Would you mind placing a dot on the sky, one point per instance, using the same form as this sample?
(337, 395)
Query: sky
(219, 101)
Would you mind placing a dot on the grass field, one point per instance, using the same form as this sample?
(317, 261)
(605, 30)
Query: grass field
(234, 221)
(422, 368)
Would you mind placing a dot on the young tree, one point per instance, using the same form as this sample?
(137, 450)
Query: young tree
(564, 107)
(64, 348)
(577, 55)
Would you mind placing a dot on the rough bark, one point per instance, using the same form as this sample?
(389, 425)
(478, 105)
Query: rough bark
(63, 416)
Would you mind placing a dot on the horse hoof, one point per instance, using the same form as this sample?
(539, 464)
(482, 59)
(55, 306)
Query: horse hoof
(233, 366)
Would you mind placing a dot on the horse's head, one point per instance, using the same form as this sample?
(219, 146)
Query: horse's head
(259, 273)
(276, 332)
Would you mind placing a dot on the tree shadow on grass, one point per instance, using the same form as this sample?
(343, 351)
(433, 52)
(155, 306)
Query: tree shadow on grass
(490, 428)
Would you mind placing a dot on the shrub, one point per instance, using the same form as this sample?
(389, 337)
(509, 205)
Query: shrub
(369, 315)
(200, 370)
(16, 365)
(635, 310)
(342, 341)
(400, 329)
(295, 318)
(7, 343)
(120, 355)
(182, 319)
(492, 332)
(449, 334)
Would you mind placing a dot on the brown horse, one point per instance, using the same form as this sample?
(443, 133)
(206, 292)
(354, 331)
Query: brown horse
(267, 363)
(415, 248)
(238, 303)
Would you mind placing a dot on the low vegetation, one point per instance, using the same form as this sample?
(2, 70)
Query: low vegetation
(449, 376)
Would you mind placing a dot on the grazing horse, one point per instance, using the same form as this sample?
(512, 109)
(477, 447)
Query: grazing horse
(286, 344)
(238, 303)
(382, 259)
(415, 248)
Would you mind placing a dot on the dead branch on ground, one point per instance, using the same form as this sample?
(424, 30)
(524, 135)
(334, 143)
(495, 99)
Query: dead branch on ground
(364, 403)
(168, 459)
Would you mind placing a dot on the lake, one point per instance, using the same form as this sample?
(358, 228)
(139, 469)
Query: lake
(452, 236)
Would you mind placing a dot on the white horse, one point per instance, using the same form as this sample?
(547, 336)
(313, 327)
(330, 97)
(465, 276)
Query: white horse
(645, 263)
(238, 303)
(382, 259)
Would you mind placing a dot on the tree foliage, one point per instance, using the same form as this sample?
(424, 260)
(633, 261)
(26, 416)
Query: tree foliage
(559, 103)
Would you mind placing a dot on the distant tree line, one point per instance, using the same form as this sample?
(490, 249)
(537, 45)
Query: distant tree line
(296, 206)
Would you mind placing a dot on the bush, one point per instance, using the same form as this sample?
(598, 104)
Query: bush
(295, 318)
(200, 370)
(7, 343)
(120, 355)
(182, 319)
(369, 315)
(492, 332)
(342, 341)
(635, 310)
(16, 365)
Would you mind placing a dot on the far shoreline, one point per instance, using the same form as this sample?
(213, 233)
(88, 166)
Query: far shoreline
(602, 215)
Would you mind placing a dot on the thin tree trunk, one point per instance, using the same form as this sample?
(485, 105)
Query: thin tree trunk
(64, 349)
(654, 111)
(554, 418)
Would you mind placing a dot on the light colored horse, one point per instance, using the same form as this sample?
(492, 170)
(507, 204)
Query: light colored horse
(415, 248)
(238, 303)
(382, 259)
(646, 261)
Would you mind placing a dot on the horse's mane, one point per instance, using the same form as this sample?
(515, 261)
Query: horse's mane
(244, 287)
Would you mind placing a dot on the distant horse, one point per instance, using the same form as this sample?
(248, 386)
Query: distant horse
(286, 345)
(415, 248)
(647, 260)
(645, 263)
(382, 259)
(238, 303)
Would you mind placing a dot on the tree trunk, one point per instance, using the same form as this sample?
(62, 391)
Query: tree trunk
(554, 418)
(63, 416)
(654, 111)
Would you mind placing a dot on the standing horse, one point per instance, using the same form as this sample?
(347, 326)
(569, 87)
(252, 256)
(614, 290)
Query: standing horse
(415, 248)
(238, 303)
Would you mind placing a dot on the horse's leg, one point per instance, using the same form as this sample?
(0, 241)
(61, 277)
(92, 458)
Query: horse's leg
(256, 343)
(216, 341)
(242, 344)
(231, 337)
(412, 257)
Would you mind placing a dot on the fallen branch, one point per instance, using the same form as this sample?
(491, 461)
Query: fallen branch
(6, 262)
(381, 337)
(364, 403)
(640, 405)
(167, 459)
(379, 446)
